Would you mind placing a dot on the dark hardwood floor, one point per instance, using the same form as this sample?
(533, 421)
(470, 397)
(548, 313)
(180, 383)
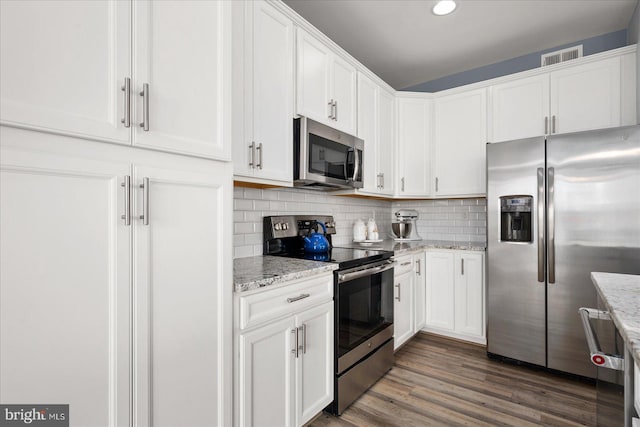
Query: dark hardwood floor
(436, 381)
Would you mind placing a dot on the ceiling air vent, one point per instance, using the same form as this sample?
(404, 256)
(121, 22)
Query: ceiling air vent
(561, 55)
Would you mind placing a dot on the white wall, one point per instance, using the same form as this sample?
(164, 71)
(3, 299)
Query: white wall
(460, 220)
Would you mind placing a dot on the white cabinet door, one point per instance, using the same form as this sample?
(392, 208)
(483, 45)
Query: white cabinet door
(343, 84)
(315, 362)
(267, 355)
(403, 308)
(586, 96)
(520, 109)
(385, 146)
(314, 60)
(440, 290)
(269, 91)
(180, 294)
(368, 130)
(420, 289)
(413, 149)
(65, 285)
(469, 294)
(182, 52)
(62, 65)
(460, 144)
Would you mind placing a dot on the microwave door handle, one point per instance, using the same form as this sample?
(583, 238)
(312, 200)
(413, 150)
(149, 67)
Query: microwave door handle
(356, 167)
(346, 165)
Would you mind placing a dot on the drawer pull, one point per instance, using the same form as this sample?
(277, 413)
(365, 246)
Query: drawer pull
(298, 298)
(405, 263)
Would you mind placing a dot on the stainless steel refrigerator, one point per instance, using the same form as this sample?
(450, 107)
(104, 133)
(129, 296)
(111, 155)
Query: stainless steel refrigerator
(558, 208)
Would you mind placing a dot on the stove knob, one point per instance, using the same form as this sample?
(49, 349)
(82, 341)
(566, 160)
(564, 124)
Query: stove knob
(277, 226)
(285, 226)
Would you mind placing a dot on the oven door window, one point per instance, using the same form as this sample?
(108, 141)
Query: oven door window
(365, 307)
(332, 159)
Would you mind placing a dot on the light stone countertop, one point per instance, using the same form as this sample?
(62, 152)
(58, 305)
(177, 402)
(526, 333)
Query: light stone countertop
(401, 248)
(621, 296)
(260, 271)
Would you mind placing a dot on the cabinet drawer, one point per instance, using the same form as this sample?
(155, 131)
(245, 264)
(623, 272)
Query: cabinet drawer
(403, 264)
(261, 307)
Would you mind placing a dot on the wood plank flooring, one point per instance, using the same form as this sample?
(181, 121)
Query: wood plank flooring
(436, 381)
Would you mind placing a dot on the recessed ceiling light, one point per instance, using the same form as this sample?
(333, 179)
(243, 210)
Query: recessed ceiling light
(444, 7)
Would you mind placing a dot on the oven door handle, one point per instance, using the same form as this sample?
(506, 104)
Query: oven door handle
(347, 276)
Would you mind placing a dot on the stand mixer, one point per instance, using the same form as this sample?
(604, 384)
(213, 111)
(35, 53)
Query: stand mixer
(405, 227)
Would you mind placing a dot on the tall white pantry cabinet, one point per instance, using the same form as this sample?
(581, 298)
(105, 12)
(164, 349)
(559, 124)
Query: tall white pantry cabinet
(115, 279)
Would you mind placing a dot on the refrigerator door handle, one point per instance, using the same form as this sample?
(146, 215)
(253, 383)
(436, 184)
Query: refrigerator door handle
(540, 225)
(551, 225)
(598, 357)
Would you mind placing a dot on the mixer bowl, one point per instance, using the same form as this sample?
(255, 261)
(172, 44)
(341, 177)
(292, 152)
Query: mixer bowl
(401, 230)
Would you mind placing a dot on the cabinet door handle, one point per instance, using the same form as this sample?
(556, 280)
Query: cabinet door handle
(553, 124)
(252, 154)
(436, 184)
(127, 200)
(419, 270)
(331, 109)
(294, 350)
(546, 125)
(382, 186)
(335, 110)
(145, 107)
(303, 344)
(402, 184)
(126, 88)
(259, 149)
(398, 297)
(145, 201)
(462, 266)
(298, 298)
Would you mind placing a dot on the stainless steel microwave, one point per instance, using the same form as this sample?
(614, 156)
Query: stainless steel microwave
(325, 158)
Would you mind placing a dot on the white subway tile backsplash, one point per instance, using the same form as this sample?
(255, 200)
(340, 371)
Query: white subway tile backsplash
(456, 219)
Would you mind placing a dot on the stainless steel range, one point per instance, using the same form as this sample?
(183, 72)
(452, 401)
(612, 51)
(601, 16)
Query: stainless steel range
(363, 296)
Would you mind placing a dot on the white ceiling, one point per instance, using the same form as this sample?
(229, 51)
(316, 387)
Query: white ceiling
(405, 44)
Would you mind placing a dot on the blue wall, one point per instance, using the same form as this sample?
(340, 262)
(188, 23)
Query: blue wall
(527, 62)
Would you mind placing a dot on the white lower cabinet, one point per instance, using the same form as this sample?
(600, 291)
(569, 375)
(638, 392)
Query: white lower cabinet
(403, 301)
(455, 303)
(284, 370)
(409, 314)
(125, 313)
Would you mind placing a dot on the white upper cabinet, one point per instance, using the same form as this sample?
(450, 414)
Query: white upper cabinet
(576, 98)
(520, 108)
(326, 85)
(368, 130)
(182, 69)
(413, 147)
(263, 145)
(72, 72)
(375, 127)
(460, 139)
(62, 65)
(586, 96)
(385, 146)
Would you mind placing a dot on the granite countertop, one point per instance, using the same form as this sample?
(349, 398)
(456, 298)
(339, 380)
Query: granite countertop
(400, 248)
(621, 295)
(260, 271)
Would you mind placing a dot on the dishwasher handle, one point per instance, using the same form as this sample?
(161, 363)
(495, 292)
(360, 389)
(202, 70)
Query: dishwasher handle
(598, 357)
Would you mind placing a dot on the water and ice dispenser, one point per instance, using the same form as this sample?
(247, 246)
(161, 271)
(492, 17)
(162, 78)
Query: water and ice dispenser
(515, 219)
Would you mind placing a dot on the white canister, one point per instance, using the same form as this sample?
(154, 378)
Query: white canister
(372, 229)
(359, 230)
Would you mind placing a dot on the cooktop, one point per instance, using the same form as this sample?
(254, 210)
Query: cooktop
(344, 257)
